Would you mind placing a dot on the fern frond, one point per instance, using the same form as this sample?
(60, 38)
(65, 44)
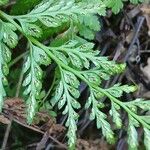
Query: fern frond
(76, 62)
(147, 138)
(55, 13)
(117, 5)
(99, 116)
(32, 82)
(8, 39)
(114, 112)
(82, 55)
(3, 2)
(112, 93)
(66, 94)
(132, 133)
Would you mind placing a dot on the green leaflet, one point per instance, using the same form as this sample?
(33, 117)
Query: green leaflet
(31, 29)
(86, 32)
(66, 94)
(118, 90)
(81, 55)
(55, 13)
(88, 24)
(32, 81)
(23, 6)
(3, 2)
(117, 5)
(100, 118)
(116, 115)
(140, 103)
(3, 80)
(147, 138)
(8, 39)
(8, 34)
(132, 136)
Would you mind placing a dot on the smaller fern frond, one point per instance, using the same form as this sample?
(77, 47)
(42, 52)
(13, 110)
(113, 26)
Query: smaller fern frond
(147, 138)
(3, 2)
(32, 82)
(66, 93)
(55, 13)
(99, 116)
(8, 39)
(117, 5)
(81, 55)
(92, 76)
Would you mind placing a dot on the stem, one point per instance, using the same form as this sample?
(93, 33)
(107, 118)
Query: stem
(19, 83)
(9, 18)
(17, 59)
(123, 106)
(77, 73)
(6, 136)
(50, 89)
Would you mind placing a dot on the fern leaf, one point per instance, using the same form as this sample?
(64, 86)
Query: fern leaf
(23, 6)
(132, 136)
(147, 138)
(100, 118)
(32, 82)
(115, 5)
(9, 36)
(31, 29)
(55, 13)
(3, 2)
(66, 94)
(93, 78)
(117, 90)
(8, 39)
(81, 55)
(140, 103)
(88, 25)
(116, 115)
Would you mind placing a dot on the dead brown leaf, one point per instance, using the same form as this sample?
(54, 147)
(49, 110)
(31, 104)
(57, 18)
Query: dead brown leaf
(98, 144)
(145, 8)
(11, 102)
(4, 120)
(146, 70)
(15, 107)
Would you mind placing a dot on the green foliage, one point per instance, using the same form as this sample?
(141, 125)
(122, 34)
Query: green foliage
(55, 13)
(8, 39)
(146, 138)
(32, 82)
(117, 5)
(132, 133)
(66, 95)
(76, 62)
(99, 116)
(3, 2)
(23, 6)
